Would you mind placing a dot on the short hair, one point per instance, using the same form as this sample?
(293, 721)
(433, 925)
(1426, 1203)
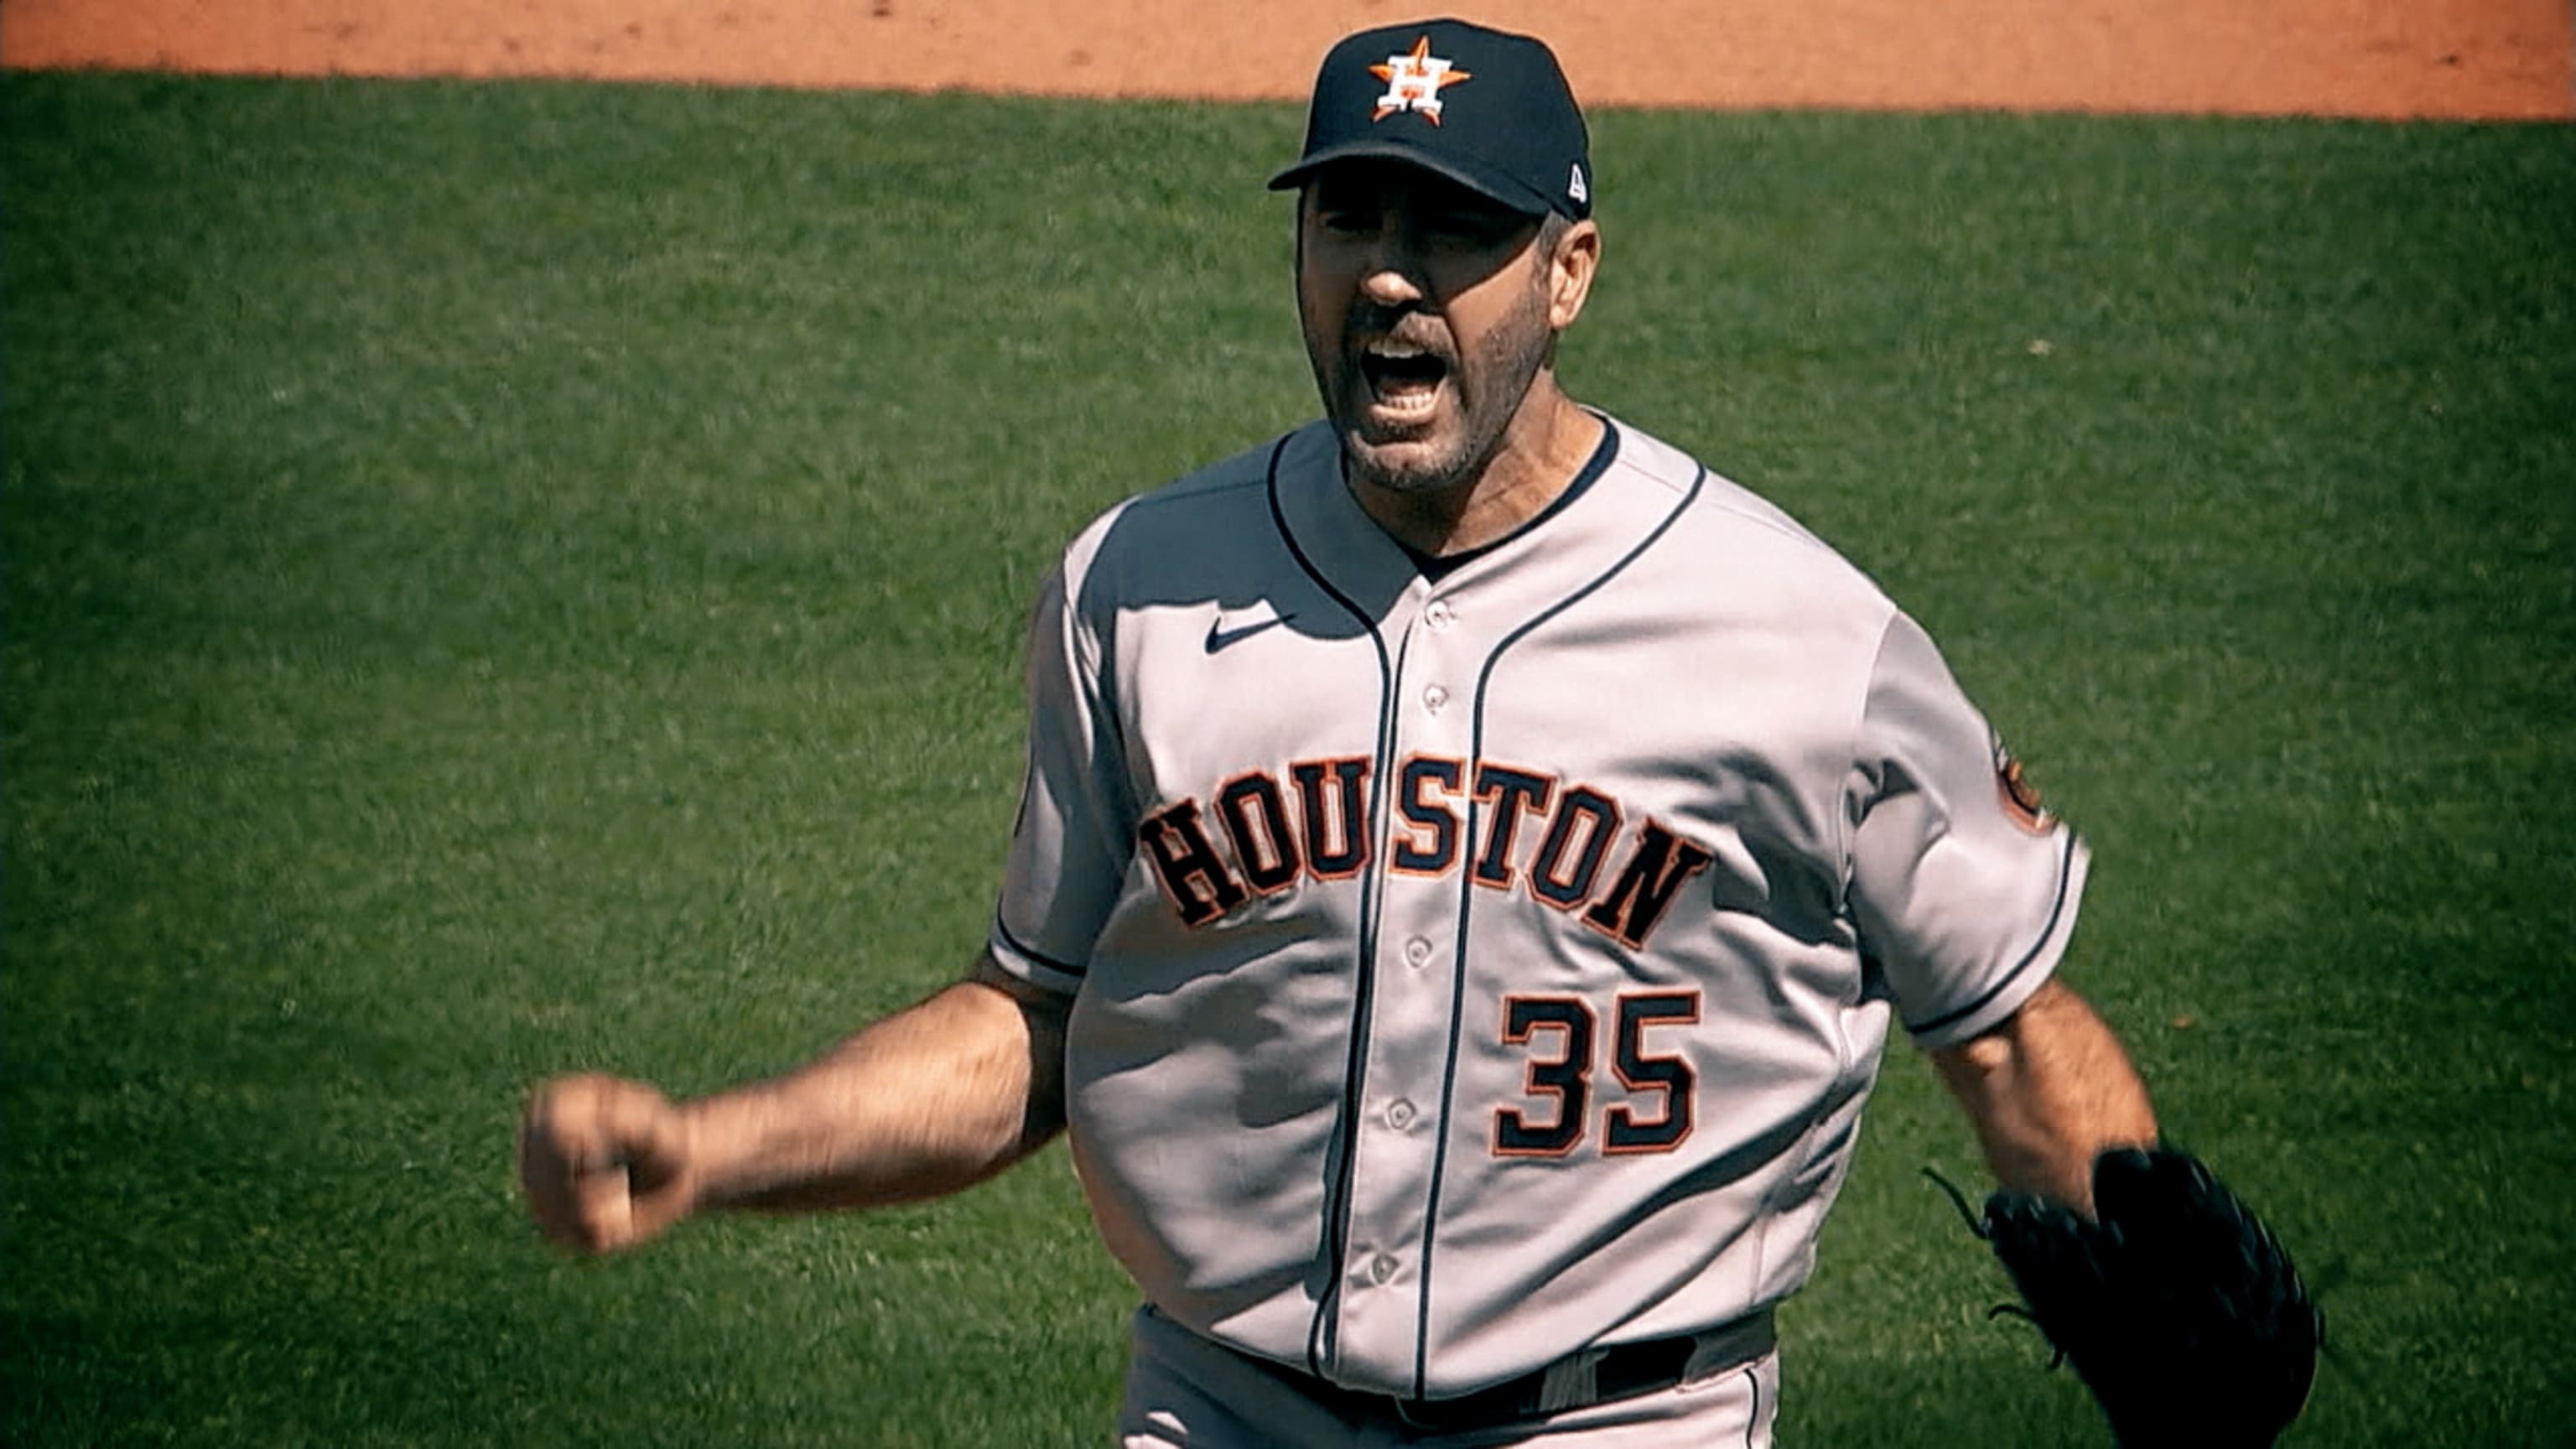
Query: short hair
(1552, 227)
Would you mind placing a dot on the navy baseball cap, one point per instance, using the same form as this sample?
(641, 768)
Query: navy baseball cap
(1489, 110)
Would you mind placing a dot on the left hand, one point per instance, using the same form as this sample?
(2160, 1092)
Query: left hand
(2177, 1306)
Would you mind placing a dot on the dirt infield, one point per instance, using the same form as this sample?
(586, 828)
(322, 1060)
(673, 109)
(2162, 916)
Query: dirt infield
(2490, 59)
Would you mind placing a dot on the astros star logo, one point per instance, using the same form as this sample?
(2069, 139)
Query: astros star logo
(1414, 82)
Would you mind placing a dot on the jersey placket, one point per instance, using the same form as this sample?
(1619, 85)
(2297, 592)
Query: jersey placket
(1396, 1137)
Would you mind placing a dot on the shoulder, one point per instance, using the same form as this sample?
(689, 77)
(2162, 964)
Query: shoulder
(1746, 546)
(1714, 500)
(1200, 518)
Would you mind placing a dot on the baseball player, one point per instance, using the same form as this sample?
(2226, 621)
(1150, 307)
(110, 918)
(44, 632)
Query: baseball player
(1470, 859)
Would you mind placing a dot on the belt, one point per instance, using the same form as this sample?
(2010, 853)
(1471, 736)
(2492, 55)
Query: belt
(1577, 1381)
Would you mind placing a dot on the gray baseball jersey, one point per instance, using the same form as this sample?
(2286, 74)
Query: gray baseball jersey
(1476, 968)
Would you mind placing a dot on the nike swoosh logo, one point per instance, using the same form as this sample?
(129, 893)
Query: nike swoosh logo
(1221, 637)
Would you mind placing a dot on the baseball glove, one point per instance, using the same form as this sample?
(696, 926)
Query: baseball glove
(2178, 1308)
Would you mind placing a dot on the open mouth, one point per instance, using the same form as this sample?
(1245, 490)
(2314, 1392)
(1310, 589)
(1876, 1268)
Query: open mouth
(1401, 377)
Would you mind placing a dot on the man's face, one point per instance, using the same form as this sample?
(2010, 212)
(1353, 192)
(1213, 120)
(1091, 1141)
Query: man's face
(1426, 317)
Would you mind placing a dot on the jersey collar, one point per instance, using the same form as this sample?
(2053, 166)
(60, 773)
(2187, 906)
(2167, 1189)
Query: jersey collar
(1596, 522)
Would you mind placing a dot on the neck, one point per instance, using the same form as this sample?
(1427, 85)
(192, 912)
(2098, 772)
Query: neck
(1547, 442)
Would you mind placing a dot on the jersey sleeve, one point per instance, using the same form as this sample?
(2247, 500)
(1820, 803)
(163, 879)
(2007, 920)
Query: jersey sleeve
(1964, 893)
(1068, 851)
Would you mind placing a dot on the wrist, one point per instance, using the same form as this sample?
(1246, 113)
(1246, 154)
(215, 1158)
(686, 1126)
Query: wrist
(706, 1145)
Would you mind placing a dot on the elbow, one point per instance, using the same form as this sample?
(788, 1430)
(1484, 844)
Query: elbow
(1979, 1058)
(1984, 1064)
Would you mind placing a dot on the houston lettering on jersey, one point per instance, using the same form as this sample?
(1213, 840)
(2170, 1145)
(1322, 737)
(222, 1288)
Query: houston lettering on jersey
(1262, 833)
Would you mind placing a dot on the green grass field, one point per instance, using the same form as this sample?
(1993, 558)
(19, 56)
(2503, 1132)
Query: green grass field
(509, 578)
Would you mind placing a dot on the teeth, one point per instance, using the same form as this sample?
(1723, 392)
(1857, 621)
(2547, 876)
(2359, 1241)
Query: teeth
(1406, 401)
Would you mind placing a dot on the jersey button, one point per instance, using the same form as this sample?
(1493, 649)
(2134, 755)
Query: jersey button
(1438, 614)
(1381, 1268)
(1399, 1114)
(1435, 698)
(1417, 952)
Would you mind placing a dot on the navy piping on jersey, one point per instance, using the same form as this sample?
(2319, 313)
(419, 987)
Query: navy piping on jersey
(1002, 928)
(1336, 1227)
(1466, 902)
(1436, 569)
(1753, 1420)
(2065, 878)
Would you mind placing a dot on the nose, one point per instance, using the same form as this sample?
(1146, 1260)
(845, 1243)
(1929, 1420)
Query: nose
(1391, 282)
(1391, 273)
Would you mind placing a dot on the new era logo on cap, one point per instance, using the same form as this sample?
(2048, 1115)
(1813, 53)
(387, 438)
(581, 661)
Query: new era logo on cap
(1486, 109)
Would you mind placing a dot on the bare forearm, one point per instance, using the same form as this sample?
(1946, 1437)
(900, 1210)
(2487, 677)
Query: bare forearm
(2047, 1092)
(930, 1100)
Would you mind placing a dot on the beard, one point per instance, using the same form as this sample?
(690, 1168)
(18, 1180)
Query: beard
(1484, 391)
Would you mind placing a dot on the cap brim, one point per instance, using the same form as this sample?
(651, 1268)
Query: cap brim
(1491, 185)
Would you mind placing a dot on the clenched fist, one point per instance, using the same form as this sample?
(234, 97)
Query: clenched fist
(606, 1163)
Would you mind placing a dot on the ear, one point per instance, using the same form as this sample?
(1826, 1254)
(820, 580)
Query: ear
(1570, 271)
